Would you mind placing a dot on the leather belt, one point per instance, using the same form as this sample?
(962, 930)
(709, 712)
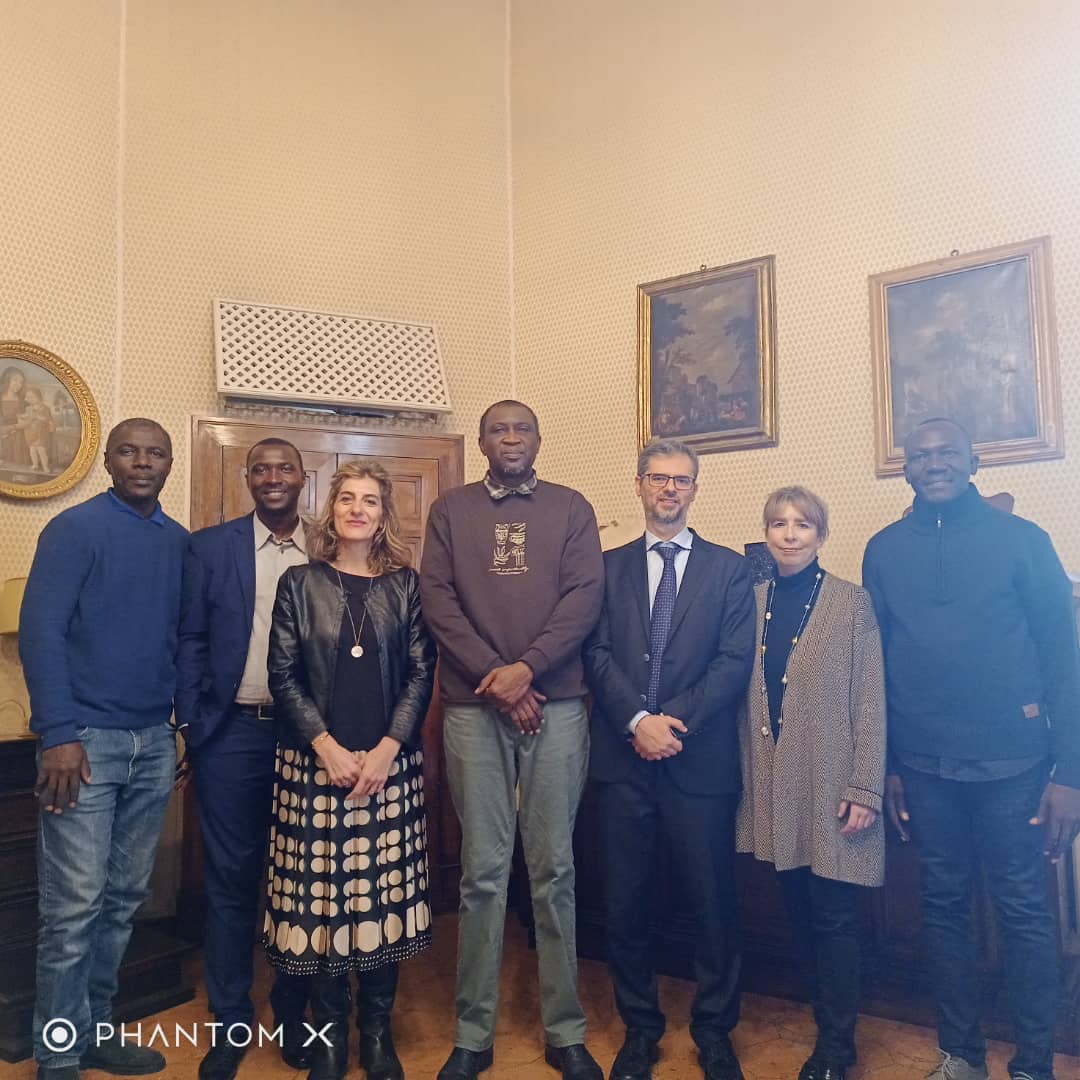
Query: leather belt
(260, 712)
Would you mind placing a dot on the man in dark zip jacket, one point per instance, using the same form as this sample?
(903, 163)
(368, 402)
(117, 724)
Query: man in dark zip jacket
(983, 683)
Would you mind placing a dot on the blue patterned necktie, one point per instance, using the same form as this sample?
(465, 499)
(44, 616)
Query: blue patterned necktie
(662, 609)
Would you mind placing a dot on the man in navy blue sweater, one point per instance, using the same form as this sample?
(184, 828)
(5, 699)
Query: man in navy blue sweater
(98, 639)
(983, 683)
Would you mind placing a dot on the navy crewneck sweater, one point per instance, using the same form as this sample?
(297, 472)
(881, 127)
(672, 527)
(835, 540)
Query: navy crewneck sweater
(98, 626)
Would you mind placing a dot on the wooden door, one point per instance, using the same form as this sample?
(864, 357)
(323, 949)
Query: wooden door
(422, 467)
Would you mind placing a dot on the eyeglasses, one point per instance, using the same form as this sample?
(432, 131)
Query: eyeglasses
(661, 480)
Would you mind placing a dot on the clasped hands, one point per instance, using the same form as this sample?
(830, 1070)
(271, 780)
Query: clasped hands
(364, 772)
(655, 738)
(509, 688)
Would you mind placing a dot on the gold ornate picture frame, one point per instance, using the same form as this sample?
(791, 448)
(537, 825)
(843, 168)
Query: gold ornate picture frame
(970, 338)
(50, 429)
(707, 357)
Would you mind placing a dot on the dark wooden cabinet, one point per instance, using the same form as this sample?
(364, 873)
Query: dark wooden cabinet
(151, 977)
(894, 964)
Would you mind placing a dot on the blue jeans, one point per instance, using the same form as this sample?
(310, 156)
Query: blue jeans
(94, 864)
(956, 825)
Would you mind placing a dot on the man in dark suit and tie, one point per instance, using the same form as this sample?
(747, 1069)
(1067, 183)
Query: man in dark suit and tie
(668, 665)
(225, 711)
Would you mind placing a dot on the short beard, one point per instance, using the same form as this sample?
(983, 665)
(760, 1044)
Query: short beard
(668, 517)
(521, 469)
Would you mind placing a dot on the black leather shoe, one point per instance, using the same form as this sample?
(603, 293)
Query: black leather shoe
(293, 1036)
(718, 1061)
(574, 1062)
(820, 1069)
(378, 1058)
(635, 1058)
(221, 1062)
(465, 1064)
(119, 1059)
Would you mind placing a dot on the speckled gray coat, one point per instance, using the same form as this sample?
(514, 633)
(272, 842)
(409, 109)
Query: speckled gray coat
(831, 748)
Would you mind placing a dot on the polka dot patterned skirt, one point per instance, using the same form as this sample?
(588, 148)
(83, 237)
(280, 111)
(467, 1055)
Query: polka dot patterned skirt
(348, 882)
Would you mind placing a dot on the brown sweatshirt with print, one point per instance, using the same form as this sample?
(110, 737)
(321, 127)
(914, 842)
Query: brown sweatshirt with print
(517, 578)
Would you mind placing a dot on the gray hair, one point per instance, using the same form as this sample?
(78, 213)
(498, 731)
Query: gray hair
(665, 448)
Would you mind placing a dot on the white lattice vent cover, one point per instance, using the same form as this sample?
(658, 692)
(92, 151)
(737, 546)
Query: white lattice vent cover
(313, 356)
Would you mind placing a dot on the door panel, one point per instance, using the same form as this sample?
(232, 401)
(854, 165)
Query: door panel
(421, 467)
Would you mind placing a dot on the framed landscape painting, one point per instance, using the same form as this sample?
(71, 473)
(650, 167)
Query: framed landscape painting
(49, 424)
(707, 357)
(970, 338)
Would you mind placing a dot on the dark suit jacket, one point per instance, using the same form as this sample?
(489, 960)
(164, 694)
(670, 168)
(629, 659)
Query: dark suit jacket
(216, 613)
(704, 674)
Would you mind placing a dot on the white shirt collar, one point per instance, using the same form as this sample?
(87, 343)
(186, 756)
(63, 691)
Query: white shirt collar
(264, 535)
(685, 539)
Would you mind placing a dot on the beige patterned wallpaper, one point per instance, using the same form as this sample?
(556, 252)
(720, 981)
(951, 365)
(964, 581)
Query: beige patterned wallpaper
(844, 137)
(353, 157)
(58, 215)
(339, 157)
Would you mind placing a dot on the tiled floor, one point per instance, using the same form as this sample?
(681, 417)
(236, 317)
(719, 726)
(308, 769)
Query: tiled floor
(772, 1040)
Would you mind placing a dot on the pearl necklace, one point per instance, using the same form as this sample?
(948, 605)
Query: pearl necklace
(765, 728)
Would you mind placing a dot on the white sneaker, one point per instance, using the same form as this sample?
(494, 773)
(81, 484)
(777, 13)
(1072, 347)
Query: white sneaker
(952, 1067)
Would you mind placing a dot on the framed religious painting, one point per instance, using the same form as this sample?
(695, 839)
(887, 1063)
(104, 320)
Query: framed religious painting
(49, 424)
(970, 338)
(707, 357)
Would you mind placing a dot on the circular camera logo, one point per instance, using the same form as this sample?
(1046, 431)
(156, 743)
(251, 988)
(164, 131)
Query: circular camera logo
(58, 1035)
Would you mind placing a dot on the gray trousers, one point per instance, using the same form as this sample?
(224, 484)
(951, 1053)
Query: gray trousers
(486, 759)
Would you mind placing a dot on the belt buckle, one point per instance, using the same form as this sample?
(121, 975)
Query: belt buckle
(267, 715)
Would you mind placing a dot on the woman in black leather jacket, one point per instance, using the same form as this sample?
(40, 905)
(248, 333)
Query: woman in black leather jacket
(351, 667)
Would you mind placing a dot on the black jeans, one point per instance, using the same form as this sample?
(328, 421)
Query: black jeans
(824, 917)
(956, 824)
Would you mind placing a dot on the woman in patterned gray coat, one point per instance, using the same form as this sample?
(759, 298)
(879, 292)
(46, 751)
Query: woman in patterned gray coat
(813, 761)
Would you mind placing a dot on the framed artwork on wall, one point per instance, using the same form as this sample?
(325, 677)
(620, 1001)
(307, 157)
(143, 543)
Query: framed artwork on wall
(707, 357)
(970, 338)
(49, 425)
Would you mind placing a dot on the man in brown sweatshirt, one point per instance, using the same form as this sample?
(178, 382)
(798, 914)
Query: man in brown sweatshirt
(512, 582)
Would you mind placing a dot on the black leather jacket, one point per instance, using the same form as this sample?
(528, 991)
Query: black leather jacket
(304, 646)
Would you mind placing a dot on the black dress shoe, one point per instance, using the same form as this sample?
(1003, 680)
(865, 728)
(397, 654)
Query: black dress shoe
(465, 1064)
(221, 1062)
(114, 1056)
(820, 1069)
(293, 1036)
(574, 1062)
(718, 1061)
(636, 1058)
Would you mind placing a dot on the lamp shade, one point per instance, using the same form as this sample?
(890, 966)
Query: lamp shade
(11, 594)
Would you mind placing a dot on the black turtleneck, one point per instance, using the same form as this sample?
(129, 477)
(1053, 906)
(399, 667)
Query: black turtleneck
(790, 595)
